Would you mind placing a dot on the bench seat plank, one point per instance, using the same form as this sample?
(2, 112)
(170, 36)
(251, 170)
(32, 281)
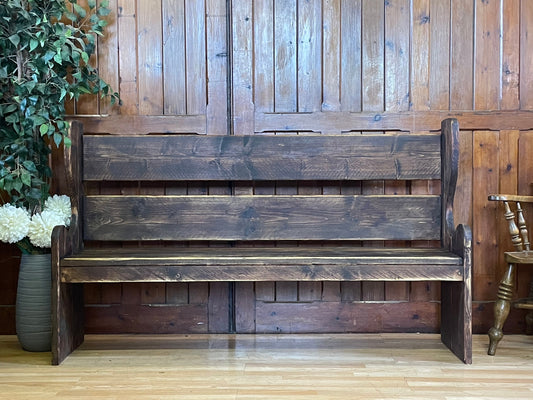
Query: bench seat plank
(259, 255)
(262, 264)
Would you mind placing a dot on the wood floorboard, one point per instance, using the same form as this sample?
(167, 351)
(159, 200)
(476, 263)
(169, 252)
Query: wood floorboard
(238, 367)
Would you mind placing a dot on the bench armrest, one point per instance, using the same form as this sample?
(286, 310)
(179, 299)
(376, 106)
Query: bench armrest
(65, 240)
(462, 242)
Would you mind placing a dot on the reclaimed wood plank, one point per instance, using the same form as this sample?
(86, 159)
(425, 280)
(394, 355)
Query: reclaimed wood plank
(511, 55)
(149, 57)
(210, 158)
(262, 217)
(285, 46)
(127, 40)
(420, 51)
(309, 55)
(217, 68)
(439, 42)
(351, 65)
(373, 53)
(331, 59)
(397, 54)
(339, 317)
(526, 67)
(462, 55)
(174, 68)
(487, 73)
(108, 59)
(146, 319)
(251, 271)
(195, 61)
(485, 178)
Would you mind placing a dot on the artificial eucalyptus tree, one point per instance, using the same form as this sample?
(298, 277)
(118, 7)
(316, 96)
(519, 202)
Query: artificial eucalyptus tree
(45, 51)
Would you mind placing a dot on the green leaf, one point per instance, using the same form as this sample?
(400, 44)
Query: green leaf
(34, 43)
(58, 138)
(80, 10)
(43, 129)
(15, 39)
(29, 165)
(26, 178)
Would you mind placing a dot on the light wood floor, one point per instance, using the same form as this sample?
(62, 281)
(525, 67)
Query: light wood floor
(291, 367)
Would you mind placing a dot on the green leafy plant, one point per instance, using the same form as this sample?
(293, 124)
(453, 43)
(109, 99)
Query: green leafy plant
(45, 51)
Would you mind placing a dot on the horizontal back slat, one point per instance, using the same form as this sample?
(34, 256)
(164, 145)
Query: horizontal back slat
(279, 217)
(261, 157)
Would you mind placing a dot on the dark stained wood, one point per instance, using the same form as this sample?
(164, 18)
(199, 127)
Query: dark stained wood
(230, 231)
(186, 318)
(67, 299)
(277, 217)
(256, 158)
(338, 317)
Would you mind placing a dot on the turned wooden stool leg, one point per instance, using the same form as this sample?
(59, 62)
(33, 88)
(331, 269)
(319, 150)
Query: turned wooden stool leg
(501, 308)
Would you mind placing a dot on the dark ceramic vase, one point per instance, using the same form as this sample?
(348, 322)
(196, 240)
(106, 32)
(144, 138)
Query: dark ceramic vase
(33, 309)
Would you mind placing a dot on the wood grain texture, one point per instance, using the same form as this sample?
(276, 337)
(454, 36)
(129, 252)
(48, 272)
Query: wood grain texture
(256, 158)
(262, 217)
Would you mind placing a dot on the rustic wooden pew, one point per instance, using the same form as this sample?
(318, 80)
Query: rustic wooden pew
(332, 221)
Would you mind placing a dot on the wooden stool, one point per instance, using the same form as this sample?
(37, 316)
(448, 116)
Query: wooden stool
(521, 255)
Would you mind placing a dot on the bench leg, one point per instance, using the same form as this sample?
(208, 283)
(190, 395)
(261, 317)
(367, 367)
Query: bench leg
(456, 319)
(501, 308)
(67, 320)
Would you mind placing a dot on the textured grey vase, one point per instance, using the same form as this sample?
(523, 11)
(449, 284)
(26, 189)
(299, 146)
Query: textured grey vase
(33, 310)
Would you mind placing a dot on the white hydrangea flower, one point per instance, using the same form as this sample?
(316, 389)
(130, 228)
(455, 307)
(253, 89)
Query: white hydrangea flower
(14, 223)
(60, 204)
(41, 226)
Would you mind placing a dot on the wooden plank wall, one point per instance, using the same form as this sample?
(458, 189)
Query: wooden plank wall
(328, 66)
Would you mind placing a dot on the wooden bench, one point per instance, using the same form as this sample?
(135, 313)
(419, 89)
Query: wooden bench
(324, 226)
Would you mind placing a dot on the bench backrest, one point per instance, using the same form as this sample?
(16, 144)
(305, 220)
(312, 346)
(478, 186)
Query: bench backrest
(273, 158)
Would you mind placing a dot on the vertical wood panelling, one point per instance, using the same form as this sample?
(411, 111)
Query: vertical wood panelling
(462, 55)
(309, 56)
(217, 68)
(439, 59)
(195, 56)
(526, 55)
(331, 58)
(485, 181)
(174, 67)
(127, 57)
(149, 57)
(108, 64)
(420, 50)
(397, 55)
(242, 107)
(351, 68)
(285, 45)
(373, 31)
(488, 57)
(510, 55)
